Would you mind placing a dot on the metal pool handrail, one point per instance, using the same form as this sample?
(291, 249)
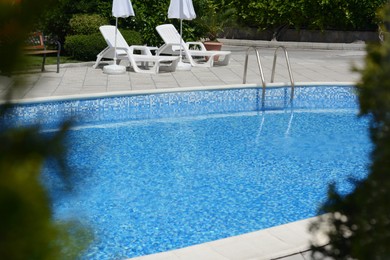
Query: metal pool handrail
(260, 70)
(258, 63)
(273, 69)
(288, 67)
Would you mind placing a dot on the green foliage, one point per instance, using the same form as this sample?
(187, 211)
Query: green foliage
(359, 224)
(86, 23)
(262, 14)
(55, 20)
(342, 15)
(308, 14)
(23, 202)
(86, 47)
(213, 19)
(27, 230)
(34, 62)
(16, 22)
(88, 41)
(131, 37)
(148, 15)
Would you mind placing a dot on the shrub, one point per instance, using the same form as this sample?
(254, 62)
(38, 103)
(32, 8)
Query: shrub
(55, 21)
(261, 14)
(148, 15)
(28, 229)
(131, 37)
(86, 47)
(86, 23)
(308, 14)
(358, 224)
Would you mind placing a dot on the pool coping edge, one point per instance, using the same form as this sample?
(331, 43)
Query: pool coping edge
(167, 90)
(271, 243)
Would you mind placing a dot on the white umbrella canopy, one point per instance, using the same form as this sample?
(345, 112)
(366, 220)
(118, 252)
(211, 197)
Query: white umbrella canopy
(122, 9)
(183, 10)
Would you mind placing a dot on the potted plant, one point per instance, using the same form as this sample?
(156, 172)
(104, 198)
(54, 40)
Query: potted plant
(212, 22)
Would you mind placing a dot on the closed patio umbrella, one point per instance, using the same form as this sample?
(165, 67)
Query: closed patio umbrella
(183, 10)
(122, 9)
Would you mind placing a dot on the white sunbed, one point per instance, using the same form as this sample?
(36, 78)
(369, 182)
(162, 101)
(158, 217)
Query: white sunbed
(191, 50)
(139, 57)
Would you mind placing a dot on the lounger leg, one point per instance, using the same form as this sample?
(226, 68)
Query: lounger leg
(99, 57)
(161, 49)
(209, 63)
(169, 68)
(153, 70)
(172, 67)
(225, 61)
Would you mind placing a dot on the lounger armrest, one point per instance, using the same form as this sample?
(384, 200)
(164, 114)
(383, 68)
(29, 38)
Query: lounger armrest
(145, 50)
(122, 48)
(176, 47)
(196, 45)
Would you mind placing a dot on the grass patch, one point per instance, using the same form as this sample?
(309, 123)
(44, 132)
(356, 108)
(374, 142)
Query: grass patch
(35, 61)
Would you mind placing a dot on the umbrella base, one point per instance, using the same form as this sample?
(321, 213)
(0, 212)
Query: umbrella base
(183, 66)
(114, 69)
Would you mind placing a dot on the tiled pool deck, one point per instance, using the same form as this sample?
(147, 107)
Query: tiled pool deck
(308, 65)
(310, 62)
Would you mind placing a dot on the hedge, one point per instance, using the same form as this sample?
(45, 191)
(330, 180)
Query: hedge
(86, 23)
(260, 14)
(308, 14)
(86, 47)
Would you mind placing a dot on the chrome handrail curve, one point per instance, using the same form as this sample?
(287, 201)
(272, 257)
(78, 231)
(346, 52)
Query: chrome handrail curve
(288, 68)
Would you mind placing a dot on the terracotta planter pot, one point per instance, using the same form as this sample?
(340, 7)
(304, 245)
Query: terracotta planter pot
(213, 46)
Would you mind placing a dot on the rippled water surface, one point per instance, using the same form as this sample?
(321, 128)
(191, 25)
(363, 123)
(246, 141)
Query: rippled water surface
(148, 186)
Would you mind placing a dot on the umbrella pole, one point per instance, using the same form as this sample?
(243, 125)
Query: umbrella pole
(114, 68)
(181, 39)
(116, 33)
(181, 65)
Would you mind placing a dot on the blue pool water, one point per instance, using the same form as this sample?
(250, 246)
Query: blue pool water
(164, 171)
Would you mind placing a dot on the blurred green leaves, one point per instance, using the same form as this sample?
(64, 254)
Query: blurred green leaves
(27, 230)
(358, 224)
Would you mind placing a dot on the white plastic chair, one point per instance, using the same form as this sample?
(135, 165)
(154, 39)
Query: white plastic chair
(140, 60)
(173, 41)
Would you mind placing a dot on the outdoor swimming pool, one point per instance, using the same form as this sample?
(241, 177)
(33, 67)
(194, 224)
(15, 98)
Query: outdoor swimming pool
(163, 171)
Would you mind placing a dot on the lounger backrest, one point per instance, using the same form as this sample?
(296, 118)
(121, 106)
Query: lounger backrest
(108, 32)
(168, 33)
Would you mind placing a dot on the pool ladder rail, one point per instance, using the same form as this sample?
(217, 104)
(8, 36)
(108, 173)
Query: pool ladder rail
(263, 83)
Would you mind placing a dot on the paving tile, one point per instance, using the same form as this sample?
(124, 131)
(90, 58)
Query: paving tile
(237, 249)
(266, 242)
(118, 86)
(199, 252)
(161, 256)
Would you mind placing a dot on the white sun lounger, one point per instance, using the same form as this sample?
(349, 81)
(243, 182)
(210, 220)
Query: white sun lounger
(173, 41)
(138, 56)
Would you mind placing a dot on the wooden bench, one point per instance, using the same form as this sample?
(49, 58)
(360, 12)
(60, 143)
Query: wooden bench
(36, 45)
